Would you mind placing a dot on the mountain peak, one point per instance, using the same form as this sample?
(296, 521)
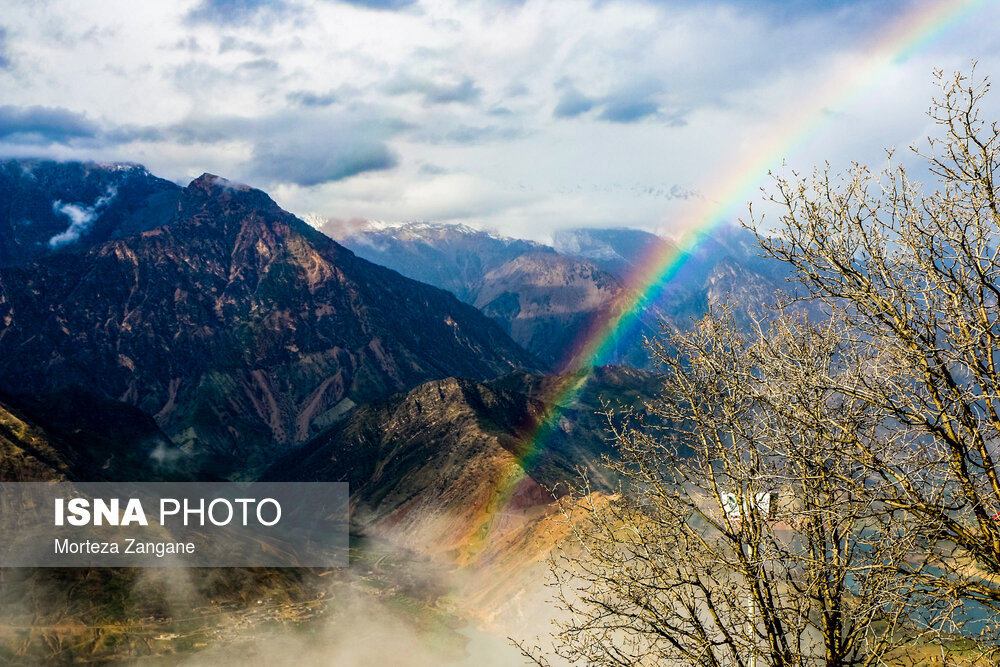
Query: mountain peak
(212, 183)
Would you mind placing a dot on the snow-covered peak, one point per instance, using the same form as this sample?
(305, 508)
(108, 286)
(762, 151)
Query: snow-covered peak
(365, 230)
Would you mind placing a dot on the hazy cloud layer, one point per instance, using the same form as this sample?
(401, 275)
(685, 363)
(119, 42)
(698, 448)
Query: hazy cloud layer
(522, 115)
(43, 125)
(4, 58)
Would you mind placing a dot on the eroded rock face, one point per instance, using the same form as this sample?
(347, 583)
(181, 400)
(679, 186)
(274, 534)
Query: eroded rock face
(440, 468)
(238, 326)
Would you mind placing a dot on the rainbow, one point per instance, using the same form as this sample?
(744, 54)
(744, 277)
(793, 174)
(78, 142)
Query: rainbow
(912, 32)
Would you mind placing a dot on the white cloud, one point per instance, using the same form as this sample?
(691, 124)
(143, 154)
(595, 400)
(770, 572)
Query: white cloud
(80, 218)
(348, 112)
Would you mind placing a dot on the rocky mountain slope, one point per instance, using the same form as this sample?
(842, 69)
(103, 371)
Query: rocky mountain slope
(547, 298)
(48, 207)
(617, 251)
(724, 265)
(237, 326)
(204, 332)
(78, 436)
(544, 301)
(428, 467)
(541, 298)
(453, 257)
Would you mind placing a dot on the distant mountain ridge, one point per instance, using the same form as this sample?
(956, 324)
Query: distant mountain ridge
(549, 298)
(454, 257)
(616, 250)
(541, 298)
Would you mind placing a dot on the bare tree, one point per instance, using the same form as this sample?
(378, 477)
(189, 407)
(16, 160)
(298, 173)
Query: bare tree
(916, 276)
(741, 536)
(821, 494)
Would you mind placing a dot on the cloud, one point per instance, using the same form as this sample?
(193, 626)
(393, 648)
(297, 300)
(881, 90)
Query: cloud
(230, 43)
(125, 134)
(629, 103)
(517, 102)
(4, 58)
(307, 98)
(453, 131)
(465, 91)
(189, 44)
(258, 65)
(381, 4)
(628, 111)
(239, 12)
(245, 12)
(80, 218)
(43, 125)
(305, 146)
(309, 163)
(572, 103)
(516, 90)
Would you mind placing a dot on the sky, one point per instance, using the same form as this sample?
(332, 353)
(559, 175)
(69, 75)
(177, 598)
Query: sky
(522, 116)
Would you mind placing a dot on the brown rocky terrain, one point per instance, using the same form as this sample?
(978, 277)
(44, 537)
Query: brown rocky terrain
(547, 298)
(452, 466)
(238, 327)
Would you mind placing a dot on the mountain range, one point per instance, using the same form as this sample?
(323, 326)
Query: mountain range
(238, 327)
(548, 297)
(152, 331)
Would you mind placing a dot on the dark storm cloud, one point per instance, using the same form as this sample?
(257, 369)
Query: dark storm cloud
(44, 125)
